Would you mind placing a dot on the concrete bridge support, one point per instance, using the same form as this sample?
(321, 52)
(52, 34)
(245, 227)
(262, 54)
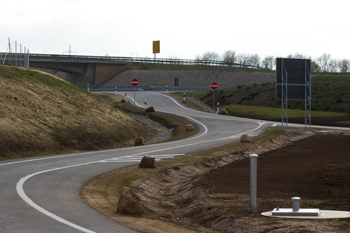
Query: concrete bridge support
(80, 74)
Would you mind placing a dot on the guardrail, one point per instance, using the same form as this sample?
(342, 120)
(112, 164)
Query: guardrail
(148, 88)
(83, 58)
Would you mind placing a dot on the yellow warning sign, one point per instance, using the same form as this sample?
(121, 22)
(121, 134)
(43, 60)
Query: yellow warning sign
(156, 46)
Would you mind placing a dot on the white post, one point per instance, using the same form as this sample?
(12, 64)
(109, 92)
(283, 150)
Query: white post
(167, 91)
(253, 182)
(184, 97)
(295, 203)
(213, 100)
(217, 110)
(88, 88)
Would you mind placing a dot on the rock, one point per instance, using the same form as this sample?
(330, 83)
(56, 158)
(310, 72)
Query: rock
(130, 203)
(147, 162)
(246, 139)
(149, 109)
(139, 141)
(189, 127)
(223, 112)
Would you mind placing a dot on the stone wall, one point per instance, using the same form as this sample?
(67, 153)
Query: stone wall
(189, 78)
(104, 70)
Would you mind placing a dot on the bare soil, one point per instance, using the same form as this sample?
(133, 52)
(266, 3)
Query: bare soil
(209, 190)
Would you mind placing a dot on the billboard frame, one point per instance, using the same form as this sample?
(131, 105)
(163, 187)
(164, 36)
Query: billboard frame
(293, 81)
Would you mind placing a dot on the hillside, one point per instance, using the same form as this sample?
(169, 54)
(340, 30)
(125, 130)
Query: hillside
(41, 114)
(330, 103)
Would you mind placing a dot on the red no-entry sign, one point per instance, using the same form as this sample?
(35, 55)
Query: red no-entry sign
(214, 85)
(134, 82)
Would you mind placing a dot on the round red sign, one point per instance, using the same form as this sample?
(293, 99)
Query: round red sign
(214, 85)
(134, 82)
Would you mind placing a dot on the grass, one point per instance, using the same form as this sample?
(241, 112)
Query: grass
(36, 77)
(330, 102)
(272, 113)
(127, 183)
(176, 123)
(33, 102)
(198, 95)
(152, 215)
(330, 78)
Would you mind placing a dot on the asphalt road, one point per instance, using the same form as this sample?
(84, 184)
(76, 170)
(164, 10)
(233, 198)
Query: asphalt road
(42, 194)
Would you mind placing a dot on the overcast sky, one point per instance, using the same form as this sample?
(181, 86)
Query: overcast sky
(184, 28)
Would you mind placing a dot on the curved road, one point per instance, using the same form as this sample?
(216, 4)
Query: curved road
(41, 194)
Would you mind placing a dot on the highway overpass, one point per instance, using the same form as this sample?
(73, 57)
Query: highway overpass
(93, 70)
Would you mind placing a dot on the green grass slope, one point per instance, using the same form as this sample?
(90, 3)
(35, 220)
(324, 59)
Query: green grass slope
(41, 114)
(330, 101)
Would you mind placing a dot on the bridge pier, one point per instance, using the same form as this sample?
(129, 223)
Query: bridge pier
(80, 74)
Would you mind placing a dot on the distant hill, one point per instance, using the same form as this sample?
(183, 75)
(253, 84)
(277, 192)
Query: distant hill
(41, 114)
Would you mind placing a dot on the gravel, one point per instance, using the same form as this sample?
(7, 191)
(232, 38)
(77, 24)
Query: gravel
(200, 104)
(163, 132)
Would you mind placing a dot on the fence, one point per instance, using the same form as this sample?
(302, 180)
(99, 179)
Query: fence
(108, 59)
(15, 59)
(147, 88)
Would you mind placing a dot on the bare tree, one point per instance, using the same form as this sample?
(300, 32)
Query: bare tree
(333, 65)
(323, 62)
(315, 67)
(268, 62)
(343, 65)
(210, 56)
(298, 56)
(249, 59)
(229, 57)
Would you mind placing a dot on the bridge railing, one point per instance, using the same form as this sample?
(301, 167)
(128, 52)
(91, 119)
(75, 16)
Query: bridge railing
(83, 58)
(147, 88)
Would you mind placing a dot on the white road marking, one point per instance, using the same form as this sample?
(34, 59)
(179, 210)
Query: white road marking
(22, 194)
(20, 183)
(137, 158)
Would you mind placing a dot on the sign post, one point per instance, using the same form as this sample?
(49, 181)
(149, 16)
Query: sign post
(214, 86)
(134, 82)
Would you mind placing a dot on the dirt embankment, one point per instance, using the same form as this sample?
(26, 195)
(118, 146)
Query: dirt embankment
(213, 193)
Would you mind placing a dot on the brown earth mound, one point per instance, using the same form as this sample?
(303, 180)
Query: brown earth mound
(215, 193)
